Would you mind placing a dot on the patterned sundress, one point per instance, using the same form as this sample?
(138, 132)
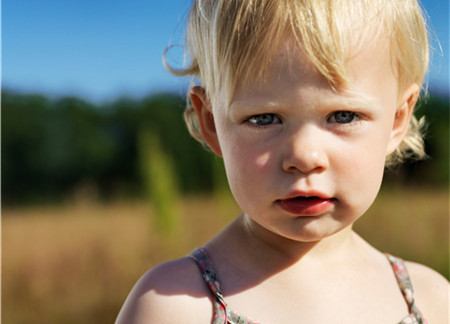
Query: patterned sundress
(224, 315)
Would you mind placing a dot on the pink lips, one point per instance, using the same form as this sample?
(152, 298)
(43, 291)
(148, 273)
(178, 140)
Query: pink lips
(306, 205)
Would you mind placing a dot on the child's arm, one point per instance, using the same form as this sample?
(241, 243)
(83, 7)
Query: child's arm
(431, 291)
(173, 292)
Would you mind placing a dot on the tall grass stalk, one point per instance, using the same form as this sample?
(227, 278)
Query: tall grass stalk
(160, 184)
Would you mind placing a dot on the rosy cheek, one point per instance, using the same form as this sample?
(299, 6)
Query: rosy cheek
(251, 163)
(262, 160)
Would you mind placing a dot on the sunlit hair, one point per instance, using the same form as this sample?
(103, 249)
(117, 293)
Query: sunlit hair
(231, 42)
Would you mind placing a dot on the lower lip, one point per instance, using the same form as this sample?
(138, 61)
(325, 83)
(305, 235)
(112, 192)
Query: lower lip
(306, 206)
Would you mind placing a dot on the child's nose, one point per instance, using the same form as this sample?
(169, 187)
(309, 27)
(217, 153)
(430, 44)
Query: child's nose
(304, 151)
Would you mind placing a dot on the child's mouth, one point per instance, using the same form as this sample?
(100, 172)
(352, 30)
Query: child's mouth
(306, 206)
(307, 198)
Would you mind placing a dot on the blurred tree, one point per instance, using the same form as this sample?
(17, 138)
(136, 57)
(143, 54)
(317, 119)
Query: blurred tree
(23, 126)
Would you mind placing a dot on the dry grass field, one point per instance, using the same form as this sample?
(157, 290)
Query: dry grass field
(76, 263)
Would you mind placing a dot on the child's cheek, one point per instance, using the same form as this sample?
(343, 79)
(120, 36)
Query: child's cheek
(261, 160)
(249, 165)
(251, 160)
(360, 171)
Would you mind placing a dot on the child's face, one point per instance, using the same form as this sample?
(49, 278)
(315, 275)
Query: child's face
(293, 136)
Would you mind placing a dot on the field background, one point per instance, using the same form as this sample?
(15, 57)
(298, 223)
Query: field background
(76, 262)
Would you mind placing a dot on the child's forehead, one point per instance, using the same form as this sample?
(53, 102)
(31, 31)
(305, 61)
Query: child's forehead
(292, 75)
(290, 64)
(322, 54)
(346, 100)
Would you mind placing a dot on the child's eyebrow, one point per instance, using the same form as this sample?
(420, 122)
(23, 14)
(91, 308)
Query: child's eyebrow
(354, 102)
(254, 104)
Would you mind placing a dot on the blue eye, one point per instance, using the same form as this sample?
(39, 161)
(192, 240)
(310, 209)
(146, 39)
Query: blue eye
(264, 119)
(342, 117)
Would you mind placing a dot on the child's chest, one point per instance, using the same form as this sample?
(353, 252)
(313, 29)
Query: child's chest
(318, 299)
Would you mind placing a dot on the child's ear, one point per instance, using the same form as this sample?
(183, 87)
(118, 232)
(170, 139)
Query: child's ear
(402, 116)
(203, 110)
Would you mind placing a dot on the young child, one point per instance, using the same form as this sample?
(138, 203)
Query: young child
(305, 101)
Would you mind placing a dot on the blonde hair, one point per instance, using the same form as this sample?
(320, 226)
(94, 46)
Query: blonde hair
(231, 41)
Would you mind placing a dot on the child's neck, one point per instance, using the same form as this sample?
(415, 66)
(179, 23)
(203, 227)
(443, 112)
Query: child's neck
(269, 252)
(261, 239)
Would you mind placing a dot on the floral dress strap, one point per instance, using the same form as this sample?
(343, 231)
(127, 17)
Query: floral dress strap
(404, 282)
(222, 314)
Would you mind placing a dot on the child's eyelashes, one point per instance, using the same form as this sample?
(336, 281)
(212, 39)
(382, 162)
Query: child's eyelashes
(264, 119)
(344, 117)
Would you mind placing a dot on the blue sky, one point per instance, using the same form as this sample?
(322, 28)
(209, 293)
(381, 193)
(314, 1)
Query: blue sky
(104, 49)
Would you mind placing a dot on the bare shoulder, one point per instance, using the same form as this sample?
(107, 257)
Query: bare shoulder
(172, 292)
(431, 291)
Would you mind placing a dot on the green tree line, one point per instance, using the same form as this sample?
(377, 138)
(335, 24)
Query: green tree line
(52, 146)
(49, 147)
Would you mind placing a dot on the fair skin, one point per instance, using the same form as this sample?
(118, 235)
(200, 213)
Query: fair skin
(304, 162)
